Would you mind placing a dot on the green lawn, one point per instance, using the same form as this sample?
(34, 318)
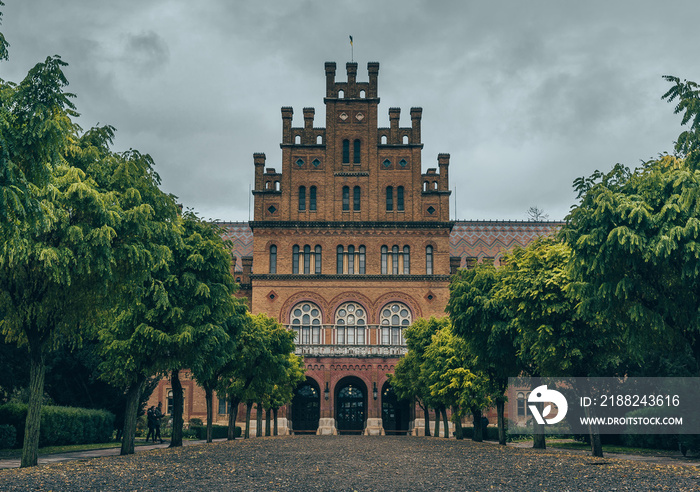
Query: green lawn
(613, 449)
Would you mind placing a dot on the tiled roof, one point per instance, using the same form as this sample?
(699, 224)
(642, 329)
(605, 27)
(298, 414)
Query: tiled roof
(469, 239)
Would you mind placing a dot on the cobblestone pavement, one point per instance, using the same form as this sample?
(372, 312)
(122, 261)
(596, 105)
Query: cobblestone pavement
(352, 463)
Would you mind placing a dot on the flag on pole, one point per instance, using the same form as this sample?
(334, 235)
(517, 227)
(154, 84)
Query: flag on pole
(350, 40)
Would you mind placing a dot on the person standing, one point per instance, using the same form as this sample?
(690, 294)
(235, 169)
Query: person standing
(151, 421)
(158, 414)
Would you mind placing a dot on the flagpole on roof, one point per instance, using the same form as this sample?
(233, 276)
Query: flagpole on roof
(352, 51)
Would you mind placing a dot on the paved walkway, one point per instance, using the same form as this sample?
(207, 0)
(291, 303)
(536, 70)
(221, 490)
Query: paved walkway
(89, 453)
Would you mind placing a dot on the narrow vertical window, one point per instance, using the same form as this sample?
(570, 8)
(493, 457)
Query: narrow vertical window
(339, 261)
(312, 198)
(356, 152)
(356, 195)
(302, 198)
(395, 260)
(362, 260)
(406, 260)
(346, 151)
(351, 260)
(295, 259)
(429, 260)
(307, 259)
(346, 198)
(385, 253)
(273, 259)
(317, 260)
(399, 198)
(389, 199)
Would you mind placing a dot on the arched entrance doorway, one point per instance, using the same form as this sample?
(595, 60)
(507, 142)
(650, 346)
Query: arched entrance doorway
(395, 412)
(306, 407)
(350, 405)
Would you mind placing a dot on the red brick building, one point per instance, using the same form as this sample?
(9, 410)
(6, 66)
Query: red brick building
(350, 243)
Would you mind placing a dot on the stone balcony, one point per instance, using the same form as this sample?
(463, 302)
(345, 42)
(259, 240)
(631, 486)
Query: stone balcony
(351, 350)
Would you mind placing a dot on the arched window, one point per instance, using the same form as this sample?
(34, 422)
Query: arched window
(399, 198)
(435, 185)
(406, 260)
(350, 324)
(405, 139)
(383, 139)
(307, 259)
(267, 185)
(389, 198)
(302, 198)
(295, 259)
(339, 260)
(361, 260)
(351, 260)
(306, 321)
(319, 140)
(297, 140)
(169, 406)
(346, 151)
(341, 94)
(312, 198)
(521, 404)
(385, 253)
(395, 317)
(425, 186)
(356, 157)
(356, 194)
(317, 260)
(273, 259)
(395, 260)
(346, 198)
(362, 94)
(277, 185)
(429, 260)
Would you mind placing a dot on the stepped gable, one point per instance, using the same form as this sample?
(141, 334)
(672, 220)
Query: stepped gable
(241, 237)
(491, 239)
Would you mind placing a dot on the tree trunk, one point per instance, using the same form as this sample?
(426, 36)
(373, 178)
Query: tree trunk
(274, 425)
(594, 434)
(232, 415)
(445, 422)
(267, 422)
(437, 423)
(248, 408)
(500, 411)
(209, 396)
(30, 448)
(538, 440)
(178, 408)
(458, 424)
(477, 435)
(133, 398)
(258, 420)
(426, 414)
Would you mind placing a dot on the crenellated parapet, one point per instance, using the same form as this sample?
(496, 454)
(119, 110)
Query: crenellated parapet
(395, 135)
(352, 89)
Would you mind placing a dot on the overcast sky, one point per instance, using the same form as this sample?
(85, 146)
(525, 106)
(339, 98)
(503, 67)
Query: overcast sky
(526, 96)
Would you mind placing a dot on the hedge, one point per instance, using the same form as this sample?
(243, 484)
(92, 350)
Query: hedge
(61, 425)
(217, 431)
(8, 436)
(490, 435)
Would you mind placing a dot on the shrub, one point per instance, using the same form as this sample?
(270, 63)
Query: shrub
(62, 425)
(8, 436)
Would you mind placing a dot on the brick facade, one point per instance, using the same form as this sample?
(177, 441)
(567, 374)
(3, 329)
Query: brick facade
(351, 242)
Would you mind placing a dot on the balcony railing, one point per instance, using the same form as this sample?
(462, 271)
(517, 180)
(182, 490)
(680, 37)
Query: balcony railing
(351, 350)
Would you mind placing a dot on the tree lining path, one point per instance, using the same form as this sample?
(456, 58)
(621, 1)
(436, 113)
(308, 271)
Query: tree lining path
(352, 463)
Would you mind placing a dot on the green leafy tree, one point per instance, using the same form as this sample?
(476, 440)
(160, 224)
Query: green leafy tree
(282, 391)
(52, 267)
(480, 317)
(448, 369)
(261, 358)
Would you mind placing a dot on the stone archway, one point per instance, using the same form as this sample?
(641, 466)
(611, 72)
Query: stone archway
(306, 406)
(350, 405)
(395, 412)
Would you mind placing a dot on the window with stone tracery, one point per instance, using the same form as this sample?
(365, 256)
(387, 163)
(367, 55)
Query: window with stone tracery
(394, 318)
(305, 320)
(350, 324)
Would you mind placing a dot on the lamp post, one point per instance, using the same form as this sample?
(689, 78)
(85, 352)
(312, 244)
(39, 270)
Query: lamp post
(374, 391)
(326, 392)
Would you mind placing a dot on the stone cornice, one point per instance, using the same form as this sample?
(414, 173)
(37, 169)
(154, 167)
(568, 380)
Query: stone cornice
(354, 277)
(289, 224)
